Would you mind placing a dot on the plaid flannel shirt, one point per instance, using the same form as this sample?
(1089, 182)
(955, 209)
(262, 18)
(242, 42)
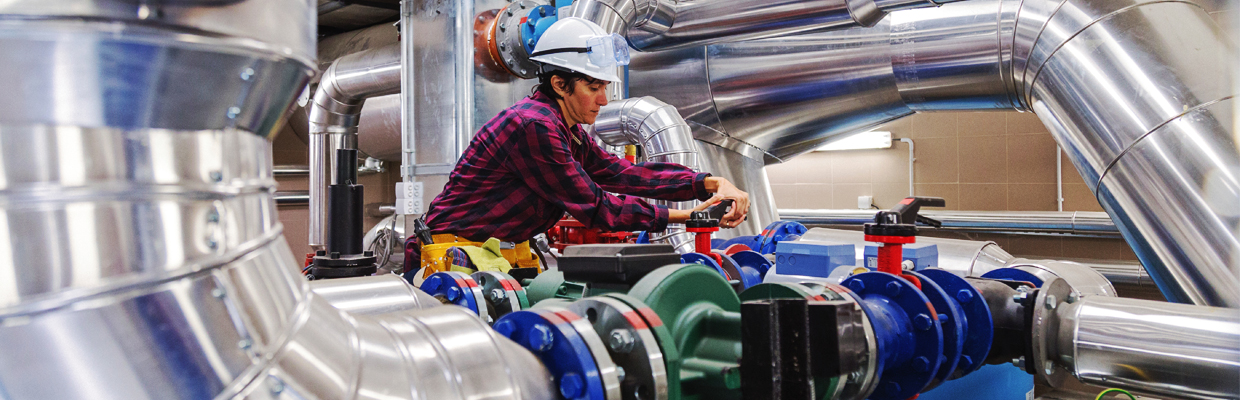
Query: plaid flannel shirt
(525, 168)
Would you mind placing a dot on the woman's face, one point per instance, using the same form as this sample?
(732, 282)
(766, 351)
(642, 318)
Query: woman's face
(581, 107)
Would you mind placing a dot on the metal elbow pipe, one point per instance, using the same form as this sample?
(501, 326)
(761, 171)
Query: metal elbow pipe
(663, 135)
(652, 25)
(334, 116)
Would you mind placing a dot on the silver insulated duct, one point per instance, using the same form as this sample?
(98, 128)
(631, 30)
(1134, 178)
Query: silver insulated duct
(1137, 91)
(140, 254)
(663, 136)
(334, 118)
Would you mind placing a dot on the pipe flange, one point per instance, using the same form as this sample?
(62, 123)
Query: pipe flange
(1014, 274)
(910, 309)
(663, 337)
(457, 288)
(509, 45)
(503, 293)
(859, 384)
(749, 259)
(569, 349)
(630, 343)
(1045, 331)
(979, 323)
(951, 318)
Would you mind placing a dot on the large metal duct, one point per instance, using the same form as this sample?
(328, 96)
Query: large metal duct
(663, 136)
(1163, 349)
(334, 116)
(1137, 92)
(140, 252)
(653, 25)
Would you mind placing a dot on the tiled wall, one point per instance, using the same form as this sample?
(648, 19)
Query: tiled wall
(990, 161)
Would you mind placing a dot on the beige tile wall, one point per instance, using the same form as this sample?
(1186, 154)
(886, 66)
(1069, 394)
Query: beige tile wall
(990, 161)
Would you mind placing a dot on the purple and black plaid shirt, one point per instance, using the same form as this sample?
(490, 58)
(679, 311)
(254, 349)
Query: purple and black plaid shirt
(525, 168)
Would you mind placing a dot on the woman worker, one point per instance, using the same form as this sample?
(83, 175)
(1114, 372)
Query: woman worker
(533, 162)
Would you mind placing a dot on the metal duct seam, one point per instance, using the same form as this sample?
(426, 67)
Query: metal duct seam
(334, 118)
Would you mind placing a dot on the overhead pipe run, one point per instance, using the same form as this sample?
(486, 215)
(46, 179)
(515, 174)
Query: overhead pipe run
(1131, 89)
(652, 25)
(334, 118)
(1083, 223)
(663, 136)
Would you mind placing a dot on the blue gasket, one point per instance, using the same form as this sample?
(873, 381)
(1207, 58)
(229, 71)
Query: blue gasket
(895, 307)
(456, 290)
(951, 319)
(979, 324)
(564, 354)
(699, 258)
(752, 259)
(1013, 274)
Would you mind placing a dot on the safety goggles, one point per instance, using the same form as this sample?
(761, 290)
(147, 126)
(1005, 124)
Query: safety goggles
(603, 51)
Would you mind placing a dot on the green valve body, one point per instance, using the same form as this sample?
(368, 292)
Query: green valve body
(702, 313)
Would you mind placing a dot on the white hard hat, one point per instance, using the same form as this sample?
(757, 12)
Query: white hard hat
(579, 45)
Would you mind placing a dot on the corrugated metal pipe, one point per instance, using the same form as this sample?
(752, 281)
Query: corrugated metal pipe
(141, 255)
(1084, 223)
(663, 136)
(652, 25)
(334, 117)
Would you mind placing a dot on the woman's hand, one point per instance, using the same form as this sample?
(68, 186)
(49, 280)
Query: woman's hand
(725, 190)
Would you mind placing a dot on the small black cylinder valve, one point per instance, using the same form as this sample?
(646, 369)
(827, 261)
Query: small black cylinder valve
(344, 223)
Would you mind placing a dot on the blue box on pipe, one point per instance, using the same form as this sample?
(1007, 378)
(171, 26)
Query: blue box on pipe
(922, 255)
(813, 258)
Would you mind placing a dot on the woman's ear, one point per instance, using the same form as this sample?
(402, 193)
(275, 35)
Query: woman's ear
(559, 85)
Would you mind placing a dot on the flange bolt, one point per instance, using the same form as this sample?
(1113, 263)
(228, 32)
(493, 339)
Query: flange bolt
(540, 338)
(922, 322)
(571, 385)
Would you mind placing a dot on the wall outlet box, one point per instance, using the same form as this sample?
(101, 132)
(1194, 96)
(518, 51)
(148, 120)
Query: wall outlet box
(864, 202)
(409, 198)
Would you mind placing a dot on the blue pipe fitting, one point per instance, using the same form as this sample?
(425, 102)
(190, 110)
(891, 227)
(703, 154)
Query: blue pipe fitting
(699, 258)
(951, 319)
(907, 329)
(978, 323)
(752, 265)
(560, 348)
(535, 24)
(774, 233)
(1013, 274)
(456, 287)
